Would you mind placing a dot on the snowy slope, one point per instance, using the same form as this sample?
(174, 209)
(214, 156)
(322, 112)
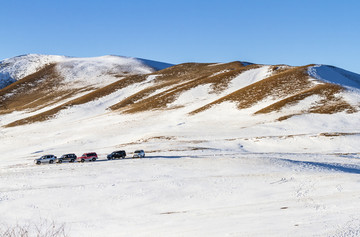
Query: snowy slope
(335, 75)
(83, 69)
(100, 71)
(13, 69)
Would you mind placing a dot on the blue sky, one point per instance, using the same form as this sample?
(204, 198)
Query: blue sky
(260, 31)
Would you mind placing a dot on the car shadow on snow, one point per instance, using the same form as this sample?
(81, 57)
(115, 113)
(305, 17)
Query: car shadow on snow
(148, 157)
(354, 169)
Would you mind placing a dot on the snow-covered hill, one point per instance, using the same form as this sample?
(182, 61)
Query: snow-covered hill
(277, 144)
(85, 69)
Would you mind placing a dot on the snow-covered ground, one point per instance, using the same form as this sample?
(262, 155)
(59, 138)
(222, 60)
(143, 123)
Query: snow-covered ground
(203, 194)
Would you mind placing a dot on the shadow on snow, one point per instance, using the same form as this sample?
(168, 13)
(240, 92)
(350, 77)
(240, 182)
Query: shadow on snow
(329, 166)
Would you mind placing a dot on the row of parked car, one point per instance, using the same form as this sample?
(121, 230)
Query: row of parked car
(91, 156)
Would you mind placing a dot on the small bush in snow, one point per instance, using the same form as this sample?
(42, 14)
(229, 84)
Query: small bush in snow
(42, 229)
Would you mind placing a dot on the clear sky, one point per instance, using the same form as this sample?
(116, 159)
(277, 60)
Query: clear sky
(295, 32)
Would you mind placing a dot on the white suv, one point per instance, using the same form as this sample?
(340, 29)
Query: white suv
(139, 154)
(46, 159)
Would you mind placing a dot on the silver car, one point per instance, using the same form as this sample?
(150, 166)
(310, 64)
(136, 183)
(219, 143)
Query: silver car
(139, 154)
(45, 159)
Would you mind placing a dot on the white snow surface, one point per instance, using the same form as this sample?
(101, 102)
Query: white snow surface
(174, 194)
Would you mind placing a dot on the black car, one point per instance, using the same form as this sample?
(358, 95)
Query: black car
(67, 157)
(117, 155)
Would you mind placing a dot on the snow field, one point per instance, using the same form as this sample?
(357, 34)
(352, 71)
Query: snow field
(173, 195)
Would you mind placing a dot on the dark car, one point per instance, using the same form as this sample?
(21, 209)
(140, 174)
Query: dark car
(67, 157)
(117, 155)
(91, 156)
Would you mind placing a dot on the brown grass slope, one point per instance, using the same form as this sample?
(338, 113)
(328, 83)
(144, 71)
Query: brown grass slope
(291, 86)
(165, 78)
(328, 104)
(39, 89)
(33, 92)
(122, 83)
(180, 79)
(282, 84)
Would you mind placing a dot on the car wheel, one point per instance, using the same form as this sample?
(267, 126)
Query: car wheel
(38, 162)
(60, 161)
(93, 159)
(51, 161)
(72, 161)
(82, 160)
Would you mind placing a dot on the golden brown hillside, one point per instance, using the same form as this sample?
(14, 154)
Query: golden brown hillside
(33, 92)
(286, 88)
(179, 81)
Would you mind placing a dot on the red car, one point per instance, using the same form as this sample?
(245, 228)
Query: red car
(91, 156)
